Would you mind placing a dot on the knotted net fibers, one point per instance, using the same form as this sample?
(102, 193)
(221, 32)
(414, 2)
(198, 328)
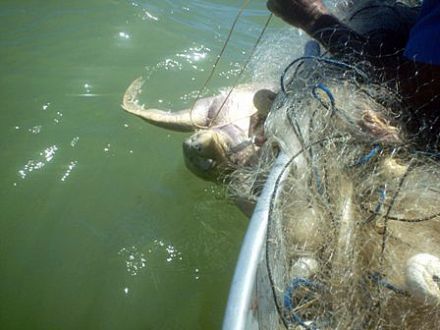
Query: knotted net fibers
(359, 205)
(376, 32)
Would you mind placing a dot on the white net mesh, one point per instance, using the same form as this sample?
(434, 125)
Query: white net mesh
(353, 239)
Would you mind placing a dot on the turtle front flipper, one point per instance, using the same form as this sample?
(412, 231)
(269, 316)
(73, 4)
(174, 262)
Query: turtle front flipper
(181, 120)
(263, 100)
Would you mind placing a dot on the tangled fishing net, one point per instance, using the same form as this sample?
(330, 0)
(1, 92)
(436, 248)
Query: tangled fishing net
(358, 209)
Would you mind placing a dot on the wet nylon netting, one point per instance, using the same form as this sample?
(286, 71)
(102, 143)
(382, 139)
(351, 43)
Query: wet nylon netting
(354, 227)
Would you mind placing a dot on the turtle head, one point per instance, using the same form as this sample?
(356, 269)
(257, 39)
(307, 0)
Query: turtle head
(205, 153)
(263, 100)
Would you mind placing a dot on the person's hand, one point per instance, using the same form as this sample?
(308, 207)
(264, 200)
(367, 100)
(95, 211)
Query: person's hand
(300, 13)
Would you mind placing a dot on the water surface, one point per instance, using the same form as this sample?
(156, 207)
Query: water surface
(102, 227)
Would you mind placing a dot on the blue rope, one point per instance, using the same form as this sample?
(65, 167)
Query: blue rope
(379, 280)
(296, 283)
(319, 184)
(380, 203)
(335, 63)
(427, 153)
(382, 197)
(365, 159)
(327, 91)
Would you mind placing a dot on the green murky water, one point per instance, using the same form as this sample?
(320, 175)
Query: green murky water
(102, 227)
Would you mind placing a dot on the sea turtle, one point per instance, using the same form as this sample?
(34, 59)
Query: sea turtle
(228, 130)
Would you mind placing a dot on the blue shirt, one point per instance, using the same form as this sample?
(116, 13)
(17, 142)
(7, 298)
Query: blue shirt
(424, 39)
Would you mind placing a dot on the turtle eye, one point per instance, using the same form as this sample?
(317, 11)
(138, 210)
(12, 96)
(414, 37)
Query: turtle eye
(198, 147)
(206, 164)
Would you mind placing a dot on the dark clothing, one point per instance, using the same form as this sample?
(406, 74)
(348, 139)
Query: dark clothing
(423, 44)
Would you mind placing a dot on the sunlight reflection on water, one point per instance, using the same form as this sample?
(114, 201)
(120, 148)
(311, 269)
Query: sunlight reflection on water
(136, 259)
(110, 209)
(32, 165)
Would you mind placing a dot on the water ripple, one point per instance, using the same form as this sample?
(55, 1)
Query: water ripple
(70, 168)
(36, 129)
(138, 259)
(32, 165)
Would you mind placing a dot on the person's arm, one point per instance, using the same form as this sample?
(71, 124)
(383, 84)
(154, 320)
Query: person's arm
(418, 83)
(303, 14)
(313, 17)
